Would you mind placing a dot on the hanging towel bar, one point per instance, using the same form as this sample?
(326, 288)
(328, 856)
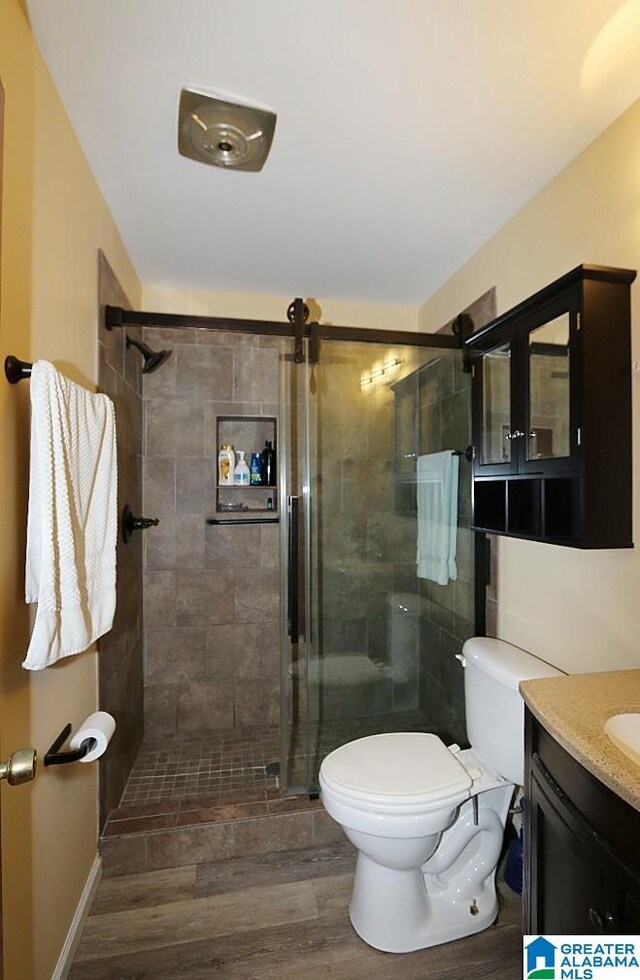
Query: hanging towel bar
(16, 370)
(467, 453)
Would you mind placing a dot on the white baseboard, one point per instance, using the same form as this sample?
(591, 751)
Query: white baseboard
(75, 929)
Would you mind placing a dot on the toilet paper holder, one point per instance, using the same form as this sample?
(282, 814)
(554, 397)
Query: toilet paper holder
(54, 757)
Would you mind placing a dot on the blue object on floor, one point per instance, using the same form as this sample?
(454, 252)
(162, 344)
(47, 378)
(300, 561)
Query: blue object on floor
(513, 864)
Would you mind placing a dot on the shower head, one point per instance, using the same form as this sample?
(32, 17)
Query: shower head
(224, 134)
(152, 358)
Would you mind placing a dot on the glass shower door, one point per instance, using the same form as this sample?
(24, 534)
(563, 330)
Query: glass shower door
(374, 640)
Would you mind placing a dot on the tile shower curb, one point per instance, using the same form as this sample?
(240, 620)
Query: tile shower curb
(210, 840)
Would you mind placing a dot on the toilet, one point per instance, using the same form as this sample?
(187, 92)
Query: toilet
(428, 820)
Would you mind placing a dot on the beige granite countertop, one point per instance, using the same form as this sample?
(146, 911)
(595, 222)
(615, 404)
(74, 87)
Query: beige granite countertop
(573, 709)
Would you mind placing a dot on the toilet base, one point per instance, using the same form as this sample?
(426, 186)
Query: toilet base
(403, 917)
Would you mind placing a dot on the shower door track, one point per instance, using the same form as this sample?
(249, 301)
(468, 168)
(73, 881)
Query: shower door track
(116, 316)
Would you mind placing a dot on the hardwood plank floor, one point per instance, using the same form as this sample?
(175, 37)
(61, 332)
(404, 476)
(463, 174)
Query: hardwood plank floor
(279, 916)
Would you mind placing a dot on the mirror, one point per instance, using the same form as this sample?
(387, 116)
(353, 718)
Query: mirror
(496, 405)
(549, 376)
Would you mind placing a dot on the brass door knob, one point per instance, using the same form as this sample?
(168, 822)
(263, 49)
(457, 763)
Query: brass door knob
(21, 767)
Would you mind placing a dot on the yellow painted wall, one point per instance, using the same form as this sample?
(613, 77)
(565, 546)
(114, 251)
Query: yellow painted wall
(578, 610)
(53, 222)
(342, 313)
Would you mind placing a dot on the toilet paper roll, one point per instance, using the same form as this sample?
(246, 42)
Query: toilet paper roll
(100, 726)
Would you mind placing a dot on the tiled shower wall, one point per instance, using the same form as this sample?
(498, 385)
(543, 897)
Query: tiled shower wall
(354, 448)
(120, 651)
(211, 605)
(447, 616)
(367, 441)
(367, 546)
(447, 611)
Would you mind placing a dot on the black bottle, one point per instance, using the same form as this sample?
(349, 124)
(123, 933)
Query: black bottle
(268, 458)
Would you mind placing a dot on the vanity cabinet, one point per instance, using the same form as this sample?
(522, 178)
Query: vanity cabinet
(582, 866)
(551, 414)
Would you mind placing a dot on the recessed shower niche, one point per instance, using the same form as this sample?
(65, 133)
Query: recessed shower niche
(253, 435)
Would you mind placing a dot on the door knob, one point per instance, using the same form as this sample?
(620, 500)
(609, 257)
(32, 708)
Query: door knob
(21, 767)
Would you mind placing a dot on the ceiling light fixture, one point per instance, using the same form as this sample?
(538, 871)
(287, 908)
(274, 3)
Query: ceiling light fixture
(380, 373)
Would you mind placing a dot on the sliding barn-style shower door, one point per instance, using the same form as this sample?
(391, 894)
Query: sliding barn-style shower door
(369, 642)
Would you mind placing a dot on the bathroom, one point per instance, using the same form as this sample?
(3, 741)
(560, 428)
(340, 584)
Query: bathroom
(574, 608)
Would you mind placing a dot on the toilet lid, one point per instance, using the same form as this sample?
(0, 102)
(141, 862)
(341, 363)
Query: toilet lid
(406, 765)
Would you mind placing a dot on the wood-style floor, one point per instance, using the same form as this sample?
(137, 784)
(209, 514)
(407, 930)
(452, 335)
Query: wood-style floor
(280, 915)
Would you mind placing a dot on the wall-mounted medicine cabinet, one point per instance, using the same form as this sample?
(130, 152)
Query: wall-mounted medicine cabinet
(551, 414)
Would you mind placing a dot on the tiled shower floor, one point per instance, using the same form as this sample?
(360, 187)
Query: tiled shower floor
(178, 767)
(213, 764)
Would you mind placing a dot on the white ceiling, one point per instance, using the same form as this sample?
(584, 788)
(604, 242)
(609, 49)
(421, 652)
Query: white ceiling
(408, 131)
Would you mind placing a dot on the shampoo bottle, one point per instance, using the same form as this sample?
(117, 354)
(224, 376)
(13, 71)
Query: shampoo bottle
(268, 465)
(255, 470)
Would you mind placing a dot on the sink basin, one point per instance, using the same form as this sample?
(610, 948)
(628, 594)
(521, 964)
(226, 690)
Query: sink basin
(624, 732)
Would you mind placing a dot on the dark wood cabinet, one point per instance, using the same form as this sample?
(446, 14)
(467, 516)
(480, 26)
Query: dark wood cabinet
(552, 414)
(582, 866)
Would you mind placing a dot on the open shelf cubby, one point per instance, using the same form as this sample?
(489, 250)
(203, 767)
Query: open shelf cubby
(560, 508)
(524, 512)
(490, 505)
(536, 507)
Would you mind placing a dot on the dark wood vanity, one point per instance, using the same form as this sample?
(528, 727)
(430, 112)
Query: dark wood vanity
(552, 414)
(582, 862)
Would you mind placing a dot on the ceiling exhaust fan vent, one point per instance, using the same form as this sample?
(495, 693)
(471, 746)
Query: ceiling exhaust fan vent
(224, 134)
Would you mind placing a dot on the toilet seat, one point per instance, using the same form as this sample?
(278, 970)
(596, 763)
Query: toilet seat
(400, 772)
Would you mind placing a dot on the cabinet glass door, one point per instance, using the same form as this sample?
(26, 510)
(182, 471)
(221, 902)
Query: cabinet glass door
(548, 429)
(497, 435)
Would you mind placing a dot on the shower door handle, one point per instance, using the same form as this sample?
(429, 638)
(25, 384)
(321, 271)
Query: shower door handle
(293, 597)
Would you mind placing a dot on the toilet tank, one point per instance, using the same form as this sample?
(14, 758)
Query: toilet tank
(493, 670)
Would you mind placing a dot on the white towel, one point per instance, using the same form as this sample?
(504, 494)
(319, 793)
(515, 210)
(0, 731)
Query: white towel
(437, 506)
(72, 522)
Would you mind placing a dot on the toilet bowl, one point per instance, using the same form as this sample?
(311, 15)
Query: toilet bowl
(428, 820)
